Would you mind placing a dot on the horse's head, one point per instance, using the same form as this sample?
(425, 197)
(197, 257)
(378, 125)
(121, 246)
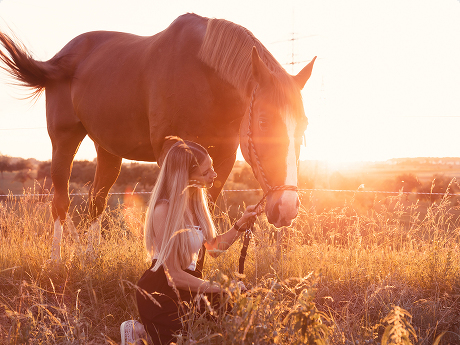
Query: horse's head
(271, 134)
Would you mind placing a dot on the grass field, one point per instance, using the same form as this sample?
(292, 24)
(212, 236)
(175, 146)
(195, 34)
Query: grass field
(386, 274)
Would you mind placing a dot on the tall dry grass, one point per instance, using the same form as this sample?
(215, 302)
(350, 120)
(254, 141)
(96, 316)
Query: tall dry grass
(388, 275)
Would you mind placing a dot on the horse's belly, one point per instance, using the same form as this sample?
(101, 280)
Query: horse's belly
(130, 144)
(141, 153)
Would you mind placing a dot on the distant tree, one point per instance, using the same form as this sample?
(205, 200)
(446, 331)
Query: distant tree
(23, 176)
(245, 176)
(126, 175)
(44, 171)
(10, 164)
(135, 173)
(83, 172)
(20, 164)
(147, 175)
(408, 182)
(4, 163)
(439, 185)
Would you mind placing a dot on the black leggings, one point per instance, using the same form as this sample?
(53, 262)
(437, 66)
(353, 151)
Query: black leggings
(162, 322)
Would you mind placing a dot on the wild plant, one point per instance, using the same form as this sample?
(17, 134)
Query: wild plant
(397, 253)
(306, 319)
(399, 329)
(275, 312)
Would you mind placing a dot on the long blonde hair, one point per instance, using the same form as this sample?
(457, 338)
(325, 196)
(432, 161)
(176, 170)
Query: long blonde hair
(184, 200)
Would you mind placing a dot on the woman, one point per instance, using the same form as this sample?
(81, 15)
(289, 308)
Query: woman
(178, 223)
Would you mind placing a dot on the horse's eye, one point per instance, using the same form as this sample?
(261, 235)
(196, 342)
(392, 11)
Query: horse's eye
(263, 125)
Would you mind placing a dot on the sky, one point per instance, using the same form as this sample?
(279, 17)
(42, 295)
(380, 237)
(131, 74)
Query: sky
(386, 83)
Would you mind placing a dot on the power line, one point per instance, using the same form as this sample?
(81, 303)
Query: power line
(292, 39)
(296, 62)
(14, 129)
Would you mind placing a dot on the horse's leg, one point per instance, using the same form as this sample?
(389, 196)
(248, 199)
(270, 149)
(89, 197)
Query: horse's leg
(65, 146)
(107, 170)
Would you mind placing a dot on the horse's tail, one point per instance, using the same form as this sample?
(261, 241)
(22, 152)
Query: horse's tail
(18, 62)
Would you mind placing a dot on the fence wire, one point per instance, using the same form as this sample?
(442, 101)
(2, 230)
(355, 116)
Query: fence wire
(305, 190)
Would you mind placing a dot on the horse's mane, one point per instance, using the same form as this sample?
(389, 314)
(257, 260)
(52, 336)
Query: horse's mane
(227, 49)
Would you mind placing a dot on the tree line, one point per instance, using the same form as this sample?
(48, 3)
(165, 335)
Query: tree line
(142, 177)
(139, 175)
(11, 164)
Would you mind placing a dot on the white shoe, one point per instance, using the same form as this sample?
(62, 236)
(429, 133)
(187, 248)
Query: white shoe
(130, 332)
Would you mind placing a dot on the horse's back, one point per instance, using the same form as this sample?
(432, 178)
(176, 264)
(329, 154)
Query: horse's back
(123, 83)
(188, 28)
(126, 61)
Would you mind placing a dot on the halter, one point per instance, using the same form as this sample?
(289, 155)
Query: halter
(253, 152)
(270, 189)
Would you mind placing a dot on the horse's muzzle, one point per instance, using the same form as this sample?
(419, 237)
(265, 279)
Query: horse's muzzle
(282, 207)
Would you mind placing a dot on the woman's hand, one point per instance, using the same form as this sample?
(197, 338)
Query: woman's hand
(249, 216)
(222, 242)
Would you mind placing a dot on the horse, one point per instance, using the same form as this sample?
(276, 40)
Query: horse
(206, 80)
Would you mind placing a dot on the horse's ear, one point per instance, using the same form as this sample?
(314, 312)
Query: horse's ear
(302, 77)
(260, 71)
(167, 144)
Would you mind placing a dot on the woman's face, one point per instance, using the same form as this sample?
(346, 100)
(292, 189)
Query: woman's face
(204, 175)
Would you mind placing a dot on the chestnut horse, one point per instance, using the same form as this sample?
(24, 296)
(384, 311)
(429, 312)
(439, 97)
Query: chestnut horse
(205, 80)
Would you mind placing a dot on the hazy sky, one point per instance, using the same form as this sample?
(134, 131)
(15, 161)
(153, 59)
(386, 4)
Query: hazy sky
(386, 83)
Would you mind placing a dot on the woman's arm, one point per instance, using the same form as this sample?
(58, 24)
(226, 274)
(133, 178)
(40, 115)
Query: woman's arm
(180, 278)
(185, 281)
(224, 241)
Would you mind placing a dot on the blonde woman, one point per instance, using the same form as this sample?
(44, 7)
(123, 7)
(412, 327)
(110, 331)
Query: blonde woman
(178, 223)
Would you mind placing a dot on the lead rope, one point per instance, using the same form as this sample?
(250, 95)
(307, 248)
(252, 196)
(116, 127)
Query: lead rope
(249, 233)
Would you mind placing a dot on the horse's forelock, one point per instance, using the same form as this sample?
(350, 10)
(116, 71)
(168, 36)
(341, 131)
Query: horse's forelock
(286, 96)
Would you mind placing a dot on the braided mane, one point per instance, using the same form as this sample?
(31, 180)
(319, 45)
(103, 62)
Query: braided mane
(227, 49)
